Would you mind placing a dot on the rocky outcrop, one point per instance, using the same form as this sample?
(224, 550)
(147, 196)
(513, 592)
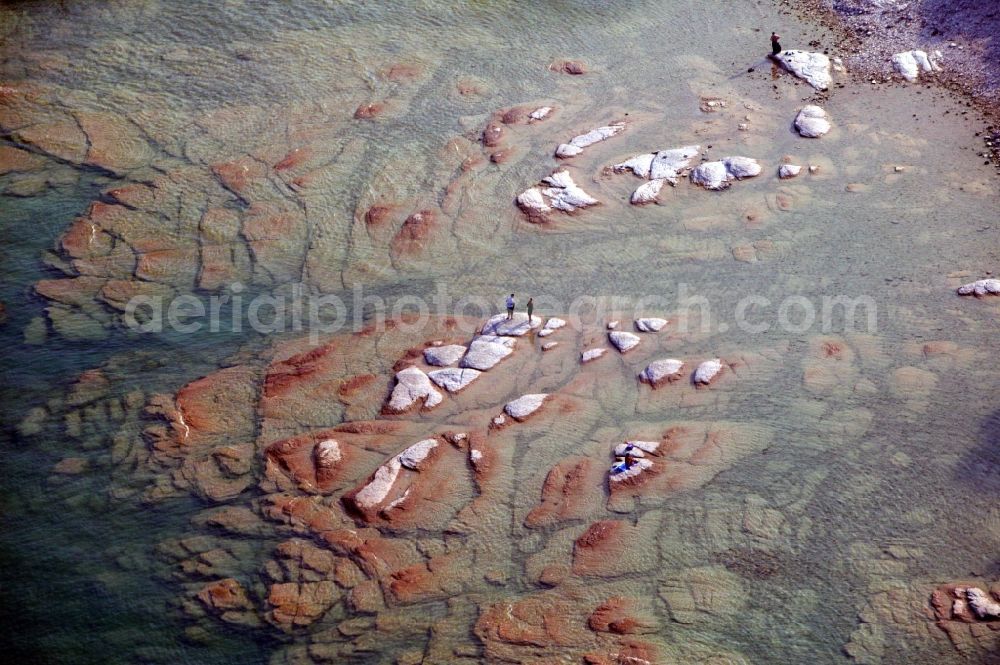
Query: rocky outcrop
(910, 64)
(786, 171)
(812, 122)
(486, 351)
(592, 354)
(707, 371)
(660, 167)
(454, 379)
(443, 356)
(517, 326)
(623, 341)
(412, 386)
(660, 372)
(551, 326)
(719, 175)
(561, 194)
(522, 407)
(578, 143)
(813, 68)
(979, 288)
(650, 324)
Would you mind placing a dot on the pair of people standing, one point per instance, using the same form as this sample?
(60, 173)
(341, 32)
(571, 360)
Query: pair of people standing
(511, 304)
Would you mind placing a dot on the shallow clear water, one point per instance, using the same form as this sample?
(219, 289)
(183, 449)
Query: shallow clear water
(874, 489)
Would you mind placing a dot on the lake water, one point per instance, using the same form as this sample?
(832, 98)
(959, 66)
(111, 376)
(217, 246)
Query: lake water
(861, 470)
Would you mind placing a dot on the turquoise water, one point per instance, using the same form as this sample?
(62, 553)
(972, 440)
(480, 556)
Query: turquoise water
(889, 489)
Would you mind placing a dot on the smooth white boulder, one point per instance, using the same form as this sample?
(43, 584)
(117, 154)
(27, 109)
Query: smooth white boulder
(413, 385)
(486, 351)
(982, 603)
(786, 171)
(660, 371)
(639, 165)
(812, 122)
(647, 193)
(540, 113)
(378, 488)
(981, 287)
(524, 406)
(417, 453)
(518, 326)
(650, 324)
(453, 379)
(910, 63)
(591, 354)
(443, 356)
(813, 68)
(578, 143)
(623, 341)
(555, 323)
(718, 175)
(707, 371)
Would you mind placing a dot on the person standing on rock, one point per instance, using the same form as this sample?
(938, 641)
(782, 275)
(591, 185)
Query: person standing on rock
(775, 44)
(531, 308)
(510, 306)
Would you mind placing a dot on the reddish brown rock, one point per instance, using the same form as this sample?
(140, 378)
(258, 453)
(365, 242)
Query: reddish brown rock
(315, 462)
(298, 604)
(294, 158)
(369, 111)
(402, 72)
(572, 490)
(572, 67)
(539, 622)
(414, 236)
(629, 652)
(114, 143)
(239, 176)
(439, 577)
(61, 138)
(621, 616)
(493, 134)
(224, 595)
(14, 160)
(378, 214)
(220, 406)
(70, 466)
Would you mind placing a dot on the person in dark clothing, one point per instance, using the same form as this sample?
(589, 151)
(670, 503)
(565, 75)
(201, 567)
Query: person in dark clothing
(510, 306)
(775, 45)
(531, 308)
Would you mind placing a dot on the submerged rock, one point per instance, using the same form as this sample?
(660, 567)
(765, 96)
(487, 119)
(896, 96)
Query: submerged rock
(909, 64)
(578, 143)
(548, 346)
(540, 113)
(786, 171)
(412, 385)
(707, 371)
(663, 371)
(486, 351)
(981, 287)
(623, 341)
(524, 406)
(813, 68)
(718, 175)
(551, 326)
(443, 356)
(650, 324)
(812, 122)
(454, 379)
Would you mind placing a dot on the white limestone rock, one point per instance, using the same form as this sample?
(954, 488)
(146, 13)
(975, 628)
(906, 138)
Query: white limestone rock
(623, 341)
(612, 325)
(591, 355)
(326, 454)
(518, 326)
(639, 165)
(532, 202)
(555, 324)
(486, 351)
(454, 379)
(647, 192)
(378, 488)
(545, 332)
(566, 195)
(786, 171)
(663, 371)
(981, 287)
(670, 164)
(812, 122)
(637, 468)
(650, 324)
(540, 113)
(911, 63)
(417, 453)
(707, 371)
(412, 385)
(718, 175)
(443, 356)
(647, 446)
(524, 406)
(813, 68)
(548, 346)
(578, 143)
(984, 605)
